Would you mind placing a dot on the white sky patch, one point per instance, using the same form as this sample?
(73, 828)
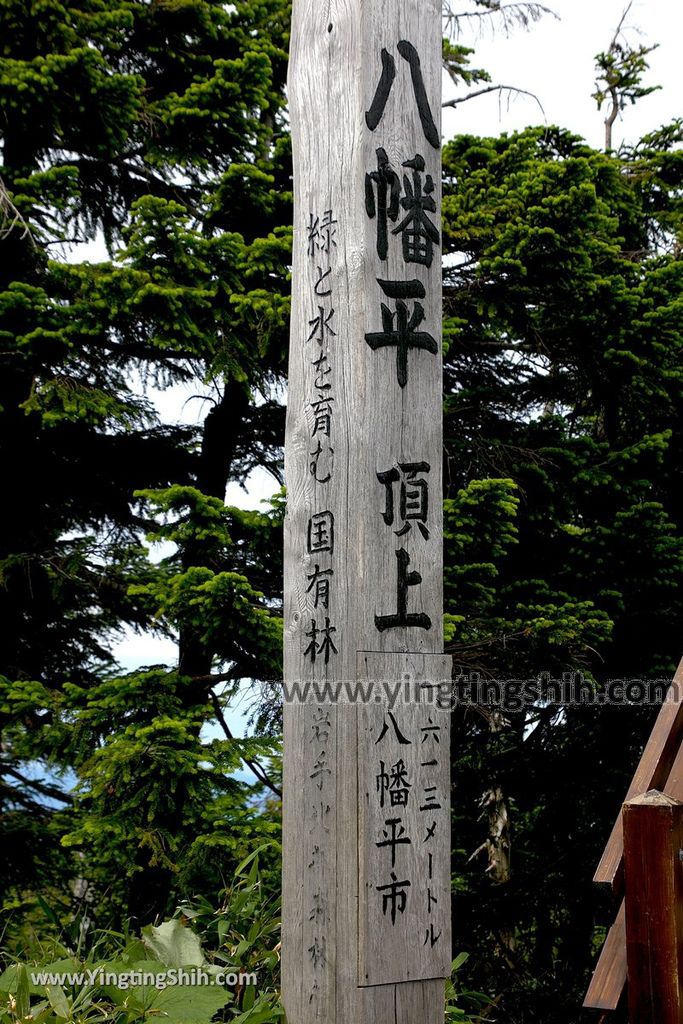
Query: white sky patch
(555, 60)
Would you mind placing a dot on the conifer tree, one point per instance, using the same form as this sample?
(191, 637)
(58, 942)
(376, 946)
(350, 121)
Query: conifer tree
(564, 537)
(156, 126)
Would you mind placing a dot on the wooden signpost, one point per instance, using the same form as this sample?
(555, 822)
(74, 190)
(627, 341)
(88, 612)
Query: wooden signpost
(366, 874)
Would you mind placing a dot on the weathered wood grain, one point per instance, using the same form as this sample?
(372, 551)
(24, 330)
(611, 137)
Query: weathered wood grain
(607, 985)
(403, 788)
(653, 841)
(376, 426)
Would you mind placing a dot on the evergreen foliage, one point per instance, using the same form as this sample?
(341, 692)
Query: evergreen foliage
(564, 543)
(160, 127)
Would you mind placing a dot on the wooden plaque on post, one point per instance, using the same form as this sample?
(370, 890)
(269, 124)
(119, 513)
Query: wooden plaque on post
(366, 915)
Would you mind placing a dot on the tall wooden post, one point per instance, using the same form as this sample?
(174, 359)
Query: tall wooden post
(366, 879)
(653, 877)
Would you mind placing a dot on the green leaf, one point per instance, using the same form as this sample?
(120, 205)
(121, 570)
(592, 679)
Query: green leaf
(58, 1000)
(261, 1012)
(460, 959)
(174, 944)
(185, 1004)
(22, 994)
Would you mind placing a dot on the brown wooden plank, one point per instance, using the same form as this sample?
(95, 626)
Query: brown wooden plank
(653, 839)
(609, 978)
(674, 784)
(610, 975)
(652, 773)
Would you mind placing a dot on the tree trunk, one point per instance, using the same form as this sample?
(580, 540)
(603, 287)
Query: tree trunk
(151, 886)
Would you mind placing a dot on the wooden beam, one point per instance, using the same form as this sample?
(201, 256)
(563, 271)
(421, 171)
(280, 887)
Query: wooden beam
(653, 847)
(609, 977)
(662, 760)
(652, 773)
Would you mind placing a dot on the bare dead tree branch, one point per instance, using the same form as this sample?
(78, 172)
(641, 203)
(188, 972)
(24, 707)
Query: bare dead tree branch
(620, 71)
(613, 92)
(620, 26)
(512, 15)
(510, 89)
(11, 218)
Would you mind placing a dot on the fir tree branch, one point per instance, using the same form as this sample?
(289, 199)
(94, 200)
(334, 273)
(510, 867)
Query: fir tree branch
(40, 787)
(256, 768)
(13, 794)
